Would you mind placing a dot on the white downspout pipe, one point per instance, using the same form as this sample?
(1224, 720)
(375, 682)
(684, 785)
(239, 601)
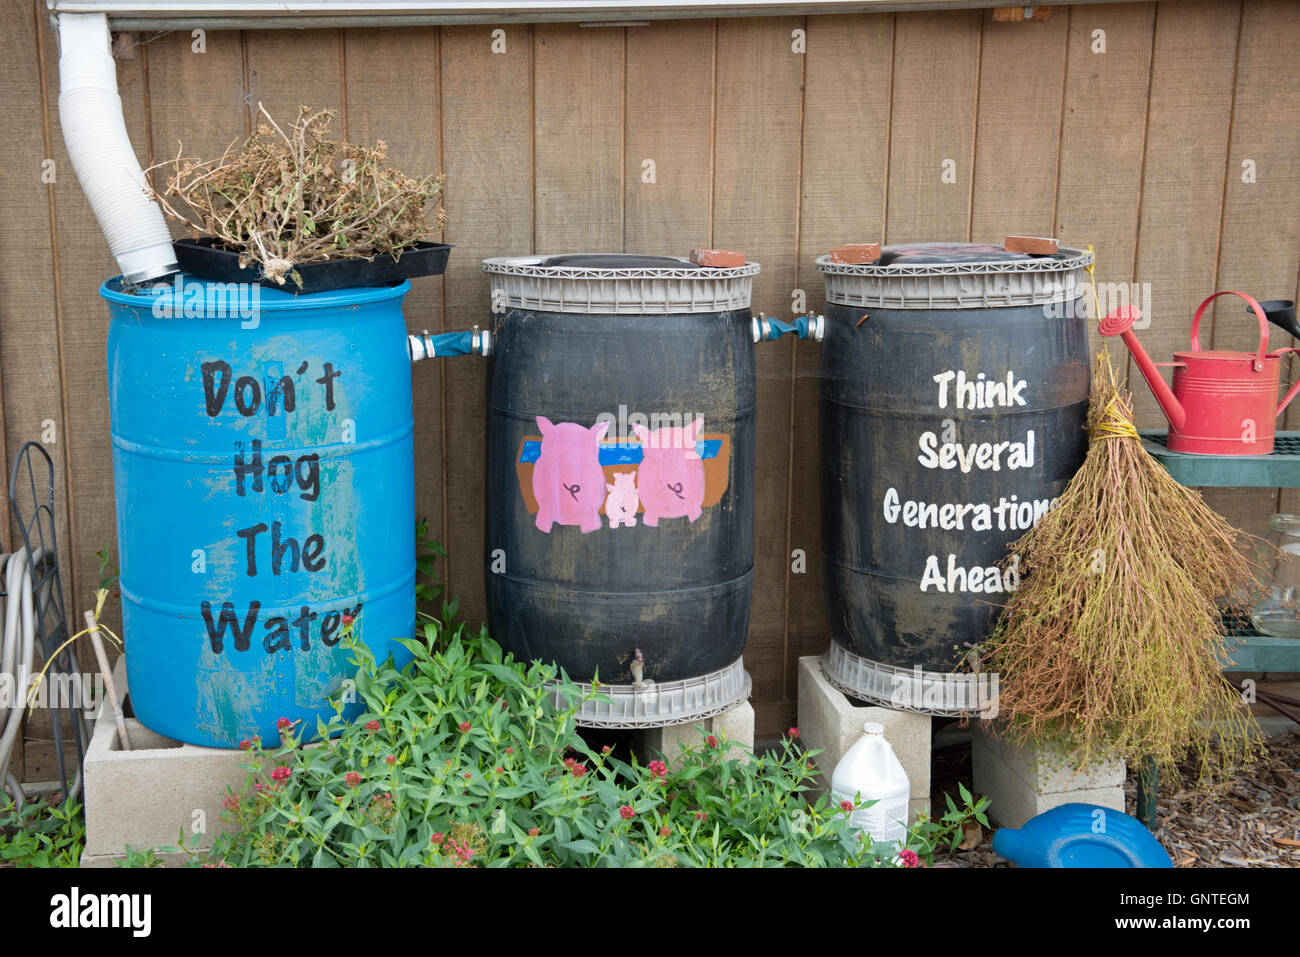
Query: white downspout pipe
(90, 112)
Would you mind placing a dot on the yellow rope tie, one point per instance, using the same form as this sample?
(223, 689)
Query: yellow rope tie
(1113, 424)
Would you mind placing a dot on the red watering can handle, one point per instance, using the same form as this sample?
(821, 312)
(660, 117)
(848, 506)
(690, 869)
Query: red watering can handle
(1291, 393)
(1259, 314)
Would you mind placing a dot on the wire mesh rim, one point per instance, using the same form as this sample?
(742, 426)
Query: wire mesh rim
(593, 714)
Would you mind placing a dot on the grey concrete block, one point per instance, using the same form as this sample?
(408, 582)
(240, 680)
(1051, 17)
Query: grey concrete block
(736, 727)
(1022, 783)
(831, 722)
(143, 798)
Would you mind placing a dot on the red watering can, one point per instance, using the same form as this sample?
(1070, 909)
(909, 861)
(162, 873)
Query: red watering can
(1222, 402)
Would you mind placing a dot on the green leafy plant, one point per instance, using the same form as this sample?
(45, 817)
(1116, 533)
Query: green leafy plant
(427, 591)
(467, 758)
(41, 834)
(930, 836)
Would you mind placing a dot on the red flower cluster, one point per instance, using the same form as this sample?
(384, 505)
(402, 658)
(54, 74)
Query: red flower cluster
(352, 778)
(390, 760)
(846, 806)
(372, 726)
(606, 749)
(437, 838)
(281, 773)
(909, 858)
(711, 741)
(627, 812)
(658, 769)
(510, 750)
(533, 832)
(245, 745)
(283, 723)
(793, 733)
(700, 815)
(464, 727)
(579, 770)
(665, 831)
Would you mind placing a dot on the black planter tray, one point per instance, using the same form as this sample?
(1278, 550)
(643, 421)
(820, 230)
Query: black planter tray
(204, 258)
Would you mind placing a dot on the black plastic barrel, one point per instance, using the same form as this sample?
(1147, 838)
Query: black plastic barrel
(953, 398)
(620, 470)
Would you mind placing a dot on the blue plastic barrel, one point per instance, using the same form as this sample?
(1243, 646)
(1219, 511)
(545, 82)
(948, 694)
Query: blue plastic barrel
(264, 473)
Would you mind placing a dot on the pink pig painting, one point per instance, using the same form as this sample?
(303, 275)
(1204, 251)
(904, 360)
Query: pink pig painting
(568, 482)
(670, 479)
(622, 504)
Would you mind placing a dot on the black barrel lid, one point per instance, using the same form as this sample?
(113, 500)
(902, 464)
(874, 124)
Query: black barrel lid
(614, 261)
(919, 253)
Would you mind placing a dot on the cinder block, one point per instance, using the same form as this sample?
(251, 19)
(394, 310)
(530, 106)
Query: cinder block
(736, 727)
(717, 258)
(831, 721)
(144, 797)
(1022, 783)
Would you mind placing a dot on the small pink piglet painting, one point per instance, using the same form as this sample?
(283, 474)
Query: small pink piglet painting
(670, 479)
(568, 482)
(622, 503)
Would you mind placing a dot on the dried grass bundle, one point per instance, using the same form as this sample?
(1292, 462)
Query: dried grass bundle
(283, 199)
(1112, 644)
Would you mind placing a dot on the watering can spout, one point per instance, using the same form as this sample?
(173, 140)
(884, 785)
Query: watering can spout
(1120, 323)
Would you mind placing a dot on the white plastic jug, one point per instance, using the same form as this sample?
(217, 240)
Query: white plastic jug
(870, 771)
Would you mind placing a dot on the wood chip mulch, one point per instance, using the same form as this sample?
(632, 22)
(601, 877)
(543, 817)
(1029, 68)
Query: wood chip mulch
(1251, 821)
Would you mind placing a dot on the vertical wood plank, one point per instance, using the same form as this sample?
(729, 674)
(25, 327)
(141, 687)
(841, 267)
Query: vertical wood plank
(1187, 137)
(487, 135)
(1103, 136)
(936, 68)
(579, 131)
(391, 88)
(29, 338)
(1022, 69)
(292, 68)
(196, 100)
(1259, 252)
(845, 147)
(1190, 111)
(29, 351)
(755, 209)
(669, 98)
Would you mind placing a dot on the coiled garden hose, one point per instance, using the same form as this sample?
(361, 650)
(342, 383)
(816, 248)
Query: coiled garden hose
(17, 651)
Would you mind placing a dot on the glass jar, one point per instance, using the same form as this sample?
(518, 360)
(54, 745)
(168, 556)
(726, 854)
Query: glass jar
(1279, 613)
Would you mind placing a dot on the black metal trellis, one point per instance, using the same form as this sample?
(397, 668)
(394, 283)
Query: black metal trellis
(36, 520)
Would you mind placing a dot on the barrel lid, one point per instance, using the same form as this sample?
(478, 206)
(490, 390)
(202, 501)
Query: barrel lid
(183, 294)
(617, 284)
(956, 276)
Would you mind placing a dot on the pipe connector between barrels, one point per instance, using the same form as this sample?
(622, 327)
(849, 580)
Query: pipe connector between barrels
(474, 342)
(805, 327)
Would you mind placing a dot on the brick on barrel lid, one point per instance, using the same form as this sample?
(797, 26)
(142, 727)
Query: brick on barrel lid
(717, 258)
(1033, 245)
(856, 253)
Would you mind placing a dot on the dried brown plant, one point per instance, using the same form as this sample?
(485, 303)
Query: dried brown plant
(287, 198)
(1113, 644)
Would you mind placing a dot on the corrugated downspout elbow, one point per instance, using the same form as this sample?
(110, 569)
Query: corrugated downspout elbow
(90, 112)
